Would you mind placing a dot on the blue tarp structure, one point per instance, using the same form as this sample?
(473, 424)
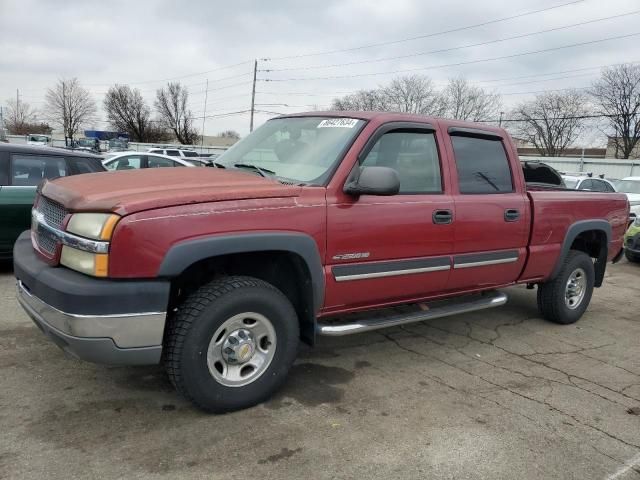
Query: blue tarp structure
(102, 135)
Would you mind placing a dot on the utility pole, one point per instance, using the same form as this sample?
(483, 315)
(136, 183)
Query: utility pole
(204, 114)
(253, 94)
(500, 121)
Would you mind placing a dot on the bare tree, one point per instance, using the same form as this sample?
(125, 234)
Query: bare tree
(464, 101)
(552, 121)
(230, 134)
(617, 95)
(69, 106)
(128, 112)
(19, 115)
(171, 104)
(362, 100)
(413, 94)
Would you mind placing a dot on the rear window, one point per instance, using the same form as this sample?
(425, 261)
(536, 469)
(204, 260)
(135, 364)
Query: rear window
(30, 170)
(173, 153)
(482, 165)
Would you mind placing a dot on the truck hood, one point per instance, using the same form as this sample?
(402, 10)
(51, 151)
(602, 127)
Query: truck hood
(131, 191)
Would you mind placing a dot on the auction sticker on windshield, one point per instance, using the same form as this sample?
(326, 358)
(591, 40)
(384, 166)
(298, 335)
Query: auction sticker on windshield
(338, 123)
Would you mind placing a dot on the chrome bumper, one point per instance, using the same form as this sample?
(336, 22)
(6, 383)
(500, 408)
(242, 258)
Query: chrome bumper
(122, 339)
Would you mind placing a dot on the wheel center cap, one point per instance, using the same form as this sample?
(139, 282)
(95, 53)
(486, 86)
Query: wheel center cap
(238, 347)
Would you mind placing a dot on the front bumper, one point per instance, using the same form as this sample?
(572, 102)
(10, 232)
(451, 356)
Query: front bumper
(98, 320)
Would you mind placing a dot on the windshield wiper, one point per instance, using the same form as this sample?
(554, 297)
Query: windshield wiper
(486, 179)
(262, 171)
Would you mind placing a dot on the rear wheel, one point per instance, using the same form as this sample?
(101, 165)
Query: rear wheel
(632, 257)
(231, 343)
(565, 298)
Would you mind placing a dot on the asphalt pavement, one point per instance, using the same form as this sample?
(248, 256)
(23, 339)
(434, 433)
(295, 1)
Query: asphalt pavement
(498, 394)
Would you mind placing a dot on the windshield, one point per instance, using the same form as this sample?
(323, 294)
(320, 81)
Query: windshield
(300, 149)
(628, 186)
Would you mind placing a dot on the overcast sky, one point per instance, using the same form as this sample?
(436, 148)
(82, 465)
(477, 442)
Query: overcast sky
(144, 43)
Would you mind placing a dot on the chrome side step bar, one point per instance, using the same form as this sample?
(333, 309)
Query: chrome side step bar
(474, 303)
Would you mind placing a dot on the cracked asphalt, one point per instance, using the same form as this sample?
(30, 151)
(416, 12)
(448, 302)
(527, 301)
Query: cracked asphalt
(498, 394)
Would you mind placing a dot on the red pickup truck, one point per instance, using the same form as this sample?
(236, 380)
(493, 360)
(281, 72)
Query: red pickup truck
(315, 224)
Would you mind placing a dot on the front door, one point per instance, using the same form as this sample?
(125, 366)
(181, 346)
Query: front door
(394, 249)
(492, 212)
(16, 198)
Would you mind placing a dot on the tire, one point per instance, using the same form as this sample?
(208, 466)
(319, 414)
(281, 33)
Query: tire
(557, 300)
(632, 257)
(201, 367)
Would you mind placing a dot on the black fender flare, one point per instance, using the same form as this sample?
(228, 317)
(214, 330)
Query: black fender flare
(576, 229)
(186, 253)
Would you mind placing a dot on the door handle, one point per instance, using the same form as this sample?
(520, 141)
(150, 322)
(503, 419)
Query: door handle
(511, 215)
(442, 217)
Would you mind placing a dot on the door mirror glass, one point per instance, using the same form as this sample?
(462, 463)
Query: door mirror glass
(374, 181)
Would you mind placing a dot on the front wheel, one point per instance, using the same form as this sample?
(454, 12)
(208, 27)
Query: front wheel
(565, 298)
(632, 257)
(231, 343)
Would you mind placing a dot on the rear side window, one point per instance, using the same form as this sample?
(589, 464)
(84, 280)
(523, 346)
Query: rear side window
(482, 165)
(173, 153)
(30, 170)
(128, 162)
(85, 165)
(159, 162)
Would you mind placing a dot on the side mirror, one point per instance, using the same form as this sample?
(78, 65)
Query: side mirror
(374, 181)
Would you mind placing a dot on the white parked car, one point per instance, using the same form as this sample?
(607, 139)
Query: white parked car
(631, 187)
(135, 160)
(38, 139)
(585, 182)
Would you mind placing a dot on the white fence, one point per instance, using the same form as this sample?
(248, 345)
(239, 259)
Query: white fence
(139, 147)
(612, 168)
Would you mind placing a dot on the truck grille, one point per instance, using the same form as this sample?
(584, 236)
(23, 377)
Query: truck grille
(53, 212)
(54, 215)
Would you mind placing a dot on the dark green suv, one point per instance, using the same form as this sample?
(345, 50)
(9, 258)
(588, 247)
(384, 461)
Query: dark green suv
(22, 168)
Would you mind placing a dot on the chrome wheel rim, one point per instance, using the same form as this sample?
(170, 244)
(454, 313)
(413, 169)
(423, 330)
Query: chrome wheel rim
(241, 349)
(575, 288)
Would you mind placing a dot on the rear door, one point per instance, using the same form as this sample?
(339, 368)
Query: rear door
(389, 249)
(492, 211)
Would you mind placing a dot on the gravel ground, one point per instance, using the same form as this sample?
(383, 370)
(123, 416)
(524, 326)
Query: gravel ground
(495, 394)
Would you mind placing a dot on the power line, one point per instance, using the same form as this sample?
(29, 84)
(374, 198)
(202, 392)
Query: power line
(469, 62)
(450, 49)
(428, 35)
(224, 67)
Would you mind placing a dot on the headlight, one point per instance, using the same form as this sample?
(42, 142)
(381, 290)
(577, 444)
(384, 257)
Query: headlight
(94, 226)
(94, 264)
(97, 226)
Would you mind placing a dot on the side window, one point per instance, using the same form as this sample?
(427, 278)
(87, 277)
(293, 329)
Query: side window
(4, 169)
(30, 170)
(608, 187)
(159, 162)
(482, 165)
(84, 165)
(414, 155)
(128, 162)
(586, 185)
(173, 153)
